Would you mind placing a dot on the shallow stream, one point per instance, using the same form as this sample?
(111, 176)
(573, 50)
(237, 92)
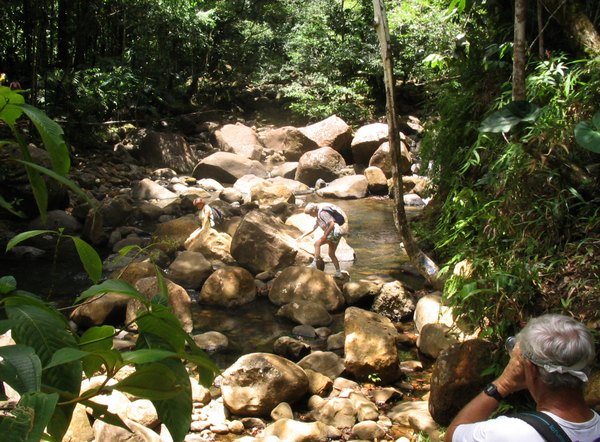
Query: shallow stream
(379, 255)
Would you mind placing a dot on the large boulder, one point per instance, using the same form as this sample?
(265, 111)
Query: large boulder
(160, 149)
(226, 167)
(256, 383)
(288, 140)
(376, 181)
(239, 139)
(214, 245)
(394, 302)
(324, 163)
(147, 189)
(177, 296)
(382, 158)
(170, 235)
(306, 284)
(228, 287)
(190, 269)
(263, 242)
(370, 346)
(456, 378)
(332, 132)
(366, 141)
(307, 313)
(269, 193)
(347, 187)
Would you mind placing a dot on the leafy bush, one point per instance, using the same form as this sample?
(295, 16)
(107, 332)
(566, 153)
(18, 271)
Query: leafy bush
(48, 360)
(513, 201)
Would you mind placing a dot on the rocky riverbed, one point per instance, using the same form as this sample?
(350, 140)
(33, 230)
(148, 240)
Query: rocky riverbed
(365, 377)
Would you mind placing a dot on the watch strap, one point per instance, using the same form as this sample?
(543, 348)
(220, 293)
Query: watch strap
(492, 391)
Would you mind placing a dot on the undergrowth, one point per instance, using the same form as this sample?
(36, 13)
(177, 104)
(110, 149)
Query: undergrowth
(518, 211)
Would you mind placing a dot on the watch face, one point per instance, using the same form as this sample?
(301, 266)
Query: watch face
(492, 391)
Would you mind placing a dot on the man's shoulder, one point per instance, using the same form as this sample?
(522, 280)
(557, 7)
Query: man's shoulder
(500, 429)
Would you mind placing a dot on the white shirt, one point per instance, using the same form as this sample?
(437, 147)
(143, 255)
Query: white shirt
(511, 429)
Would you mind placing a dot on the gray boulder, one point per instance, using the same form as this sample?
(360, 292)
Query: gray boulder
(256, 383)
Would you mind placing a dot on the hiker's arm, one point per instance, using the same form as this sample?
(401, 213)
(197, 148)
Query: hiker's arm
(192, 236)
(482, 406)
(307, 233)
(328, 230)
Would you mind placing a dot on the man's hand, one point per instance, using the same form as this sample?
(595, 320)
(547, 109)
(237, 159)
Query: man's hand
(512, 378)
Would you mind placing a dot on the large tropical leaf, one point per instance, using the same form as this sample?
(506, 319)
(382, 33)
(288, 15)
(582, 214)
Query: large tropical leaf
(176, 412)
(20, 368)
(52, 136)
(43, 332)
(509, 116)
(15, 427)
(37, 328)
(587, 134)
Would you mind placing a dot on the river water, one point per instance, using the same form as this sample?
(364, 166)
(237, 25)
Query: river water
(379, 255)
(253, 327)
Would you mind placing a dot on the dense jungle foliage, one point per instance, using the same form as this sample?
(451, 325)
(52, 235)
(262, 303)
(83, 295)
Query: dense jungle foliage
(520, 205)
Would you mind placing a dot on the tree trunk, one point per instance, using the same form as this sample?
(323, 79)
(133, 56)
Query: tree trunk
(578, 27)
(420, 260)
(519, 49)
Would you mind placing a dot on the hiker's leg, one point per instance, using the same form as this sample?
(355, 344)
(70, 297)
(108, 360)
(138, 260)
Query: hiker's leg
(334, 260)
(318, 244)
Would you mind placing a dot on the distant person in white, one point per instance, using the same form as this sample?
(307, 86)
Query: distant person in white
(552, 359)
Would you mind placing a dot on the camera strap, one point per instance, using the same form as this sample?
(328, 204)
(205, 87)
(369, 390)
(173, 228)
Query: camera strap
(545, 425)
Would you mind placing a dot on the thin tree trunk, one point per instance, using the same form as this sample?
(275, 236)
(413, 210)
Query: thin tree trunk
(420, 260)
(519, 54)
(540, 24)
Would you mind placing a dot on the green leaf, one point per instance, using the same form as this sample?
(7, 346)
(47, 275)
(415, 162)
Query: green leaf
(64, 356)
(145, 356)
(162, 323)
(89, 258)
(9, 207)
(509, 116)
(10, 105)
(61, 179)
(112, 286)
(52, 136)
(43, 406)
(20, 368)
(15, 426)
(46, 334)
(7, 284)
(587, 134)
(153, 381)
(97, 338)
(25, 236)
(176, 412)
(38, 328)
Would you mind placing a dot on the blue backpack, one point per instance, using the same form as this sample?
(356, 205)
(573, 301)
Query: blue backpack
(336, 214)
(217, 215)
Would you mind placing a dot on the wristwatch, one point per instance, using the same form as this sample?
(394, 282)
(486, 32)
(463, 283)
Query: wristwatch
(492, 391)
